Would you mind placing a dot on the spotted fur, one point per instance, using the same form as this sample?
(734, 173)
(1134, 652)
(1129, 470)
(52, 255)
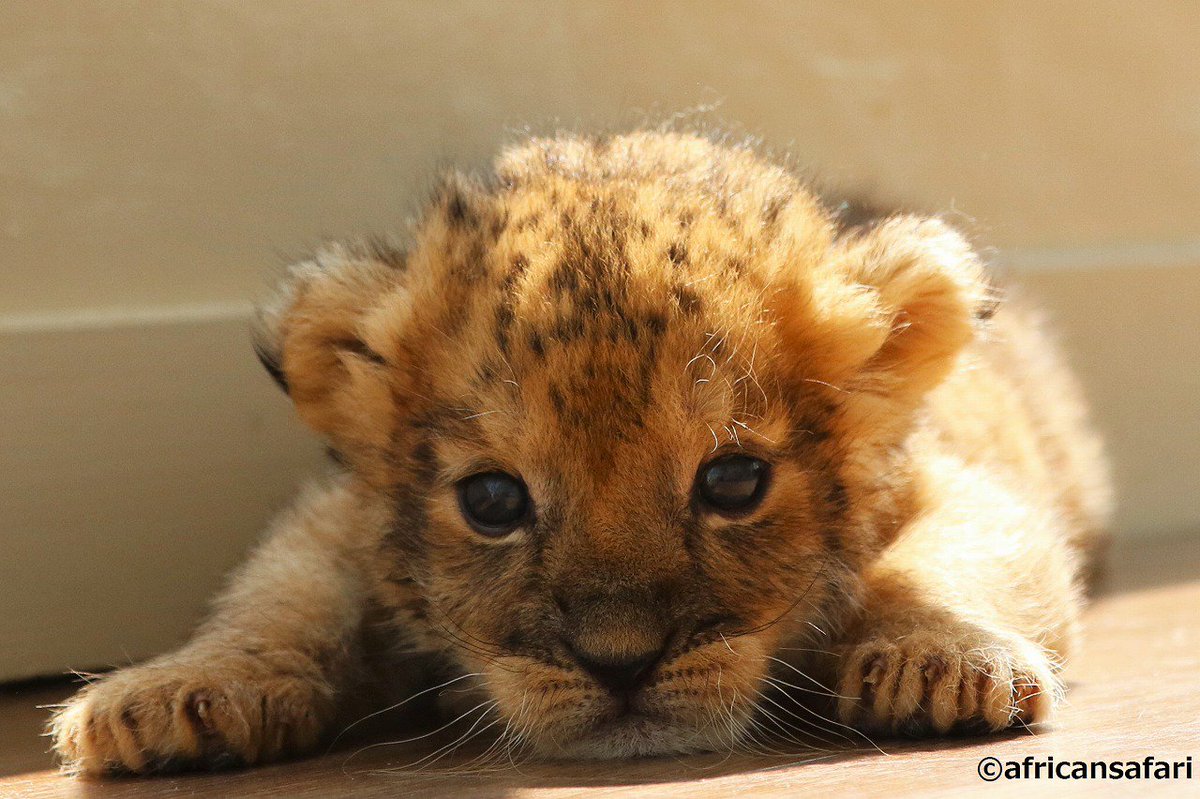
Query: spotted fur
(602, 316)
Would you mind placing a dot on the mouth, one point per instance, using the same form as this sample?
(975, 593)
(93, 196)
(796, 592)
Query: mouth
(634, 734)
(700, 700)
(662, 718)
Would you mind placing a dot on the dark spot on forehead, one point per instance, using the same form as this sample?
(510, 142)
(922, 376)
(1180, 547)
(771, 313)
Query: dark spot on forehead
(498, 224)
(472, 263)
(688, 300)
(773, 208)
(677, 253)
(565, 278)
(504, 308)
(646, 373)
(536, 345)
(556, 399)
(569, 329)
(613, 330)
(458, 210)
(504, 320)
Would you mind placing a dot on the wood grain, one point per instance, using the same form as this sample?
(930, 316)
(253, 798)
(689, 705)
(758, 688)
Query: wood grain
(1133, 692)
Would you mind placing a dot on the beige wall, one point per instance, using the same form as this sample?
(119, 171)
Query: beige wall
(164, 152)
(158, 160)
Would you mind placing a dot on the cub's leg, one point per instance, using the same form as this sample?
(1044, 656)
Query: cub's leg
(259, 679)
(966, 618)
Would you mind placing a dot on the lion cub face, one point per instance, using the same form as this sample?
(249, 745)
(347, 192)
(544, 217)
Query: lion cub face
(624, 403)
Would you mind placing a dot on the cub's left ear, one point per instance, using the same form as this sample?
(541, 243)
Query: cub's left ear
(930, 293)
(891, 308)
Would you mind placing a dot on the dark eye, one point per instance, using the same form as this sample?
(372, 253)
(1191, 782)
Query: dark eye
(733, 484)
(494, 503)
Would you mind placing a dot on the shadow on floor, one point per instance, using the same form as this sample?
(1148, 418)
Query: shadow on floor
(395, 774)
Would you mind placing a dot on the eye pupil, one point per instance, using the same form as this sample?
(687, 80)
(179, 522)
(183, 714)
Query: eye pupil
(733, 483)
(494, 502)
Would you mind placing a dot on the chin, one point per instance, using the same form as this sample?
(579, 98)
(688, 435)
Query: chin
(643, 726)
(630, 735)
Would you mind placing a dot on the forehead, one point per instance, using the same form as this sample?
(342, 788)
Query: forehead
(585, 355)
(578, 313)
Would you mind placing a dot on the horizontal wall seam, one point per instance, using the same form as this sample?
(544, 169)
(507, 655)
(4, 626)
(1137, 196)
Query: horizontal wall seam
(1017, 261)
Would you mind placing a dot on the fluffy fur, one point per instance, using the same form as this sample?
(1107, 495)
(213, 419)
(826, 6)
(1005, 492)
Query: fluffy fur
(601, 317)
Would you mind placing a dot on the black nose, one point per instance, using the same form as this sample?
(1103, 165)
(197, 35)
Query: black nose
(619, 675)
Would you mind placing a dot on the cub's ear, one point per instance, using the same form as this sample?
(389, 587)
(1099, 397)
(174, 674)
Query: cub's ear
(890, 309)
(330, 338)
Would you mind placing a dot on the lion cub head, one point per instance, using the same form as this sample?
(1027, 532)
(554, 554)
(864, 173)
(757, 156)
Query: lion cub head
(633, 405)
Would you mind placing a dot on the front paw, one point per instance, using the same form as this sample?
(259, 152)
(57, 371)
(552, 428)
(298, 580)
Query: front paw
(155, 718)
(936, 680)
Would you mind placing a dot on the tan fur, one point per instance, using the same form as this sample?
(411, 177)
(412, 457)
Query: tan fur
(601, 317)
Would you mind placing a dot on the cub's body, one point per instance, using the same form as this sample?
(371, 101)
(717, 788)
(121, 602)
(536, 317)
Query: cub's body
(602, 326)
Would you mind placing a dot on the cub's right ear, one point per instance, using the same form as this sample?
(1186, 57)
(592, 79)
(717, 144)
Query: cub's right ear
(330, 338)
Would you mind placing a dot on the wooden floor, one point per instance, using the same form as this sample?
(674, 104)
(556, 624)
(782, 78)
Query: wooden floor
(1134, 692)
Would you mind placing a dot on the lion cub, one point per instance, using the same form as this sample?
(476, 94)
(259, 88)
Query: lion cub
(634, 434)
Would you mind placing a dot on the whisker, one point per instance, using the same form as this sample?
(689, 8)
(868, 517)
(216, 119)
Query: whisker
(847, 727)
(804, 649)
(454, 745)
(808, 722)
(793, 732)
(487, 705)
(802, 597)
(825, 689)
(399, 704)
